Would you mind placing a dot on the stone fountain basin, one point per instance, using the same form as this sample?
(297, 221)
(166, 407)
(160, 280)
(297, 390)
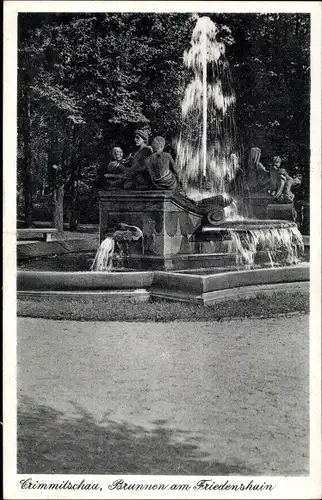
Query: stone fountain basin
(82, 281)
(194, 287)
(210, 288)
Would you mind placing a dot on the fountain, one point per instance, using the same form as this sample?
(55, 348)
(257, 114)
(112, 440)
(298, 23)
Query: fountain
(206, 240)
(206, 225)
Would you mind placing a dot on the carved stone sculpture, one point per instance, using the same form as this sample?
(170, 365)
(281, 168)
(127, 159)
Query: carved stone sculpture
(139, 177)
(281, 183)
(116, 246)
(258, 177)
(275, 181)
(161, 167)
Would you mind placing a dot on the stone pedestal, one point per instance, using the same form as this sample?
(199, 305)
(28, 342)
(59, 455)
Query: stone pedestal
(281, 211)
(262, 207)
(166, 224)
(171, 224)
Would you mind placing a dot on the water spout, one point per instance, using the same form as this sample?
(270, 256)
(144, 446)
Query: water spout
(116, 247)
(103, 260)
(207, 158)
(204, 99)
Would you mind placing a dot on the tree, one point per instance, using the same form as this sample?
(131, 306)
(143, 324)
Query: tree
(87, 80)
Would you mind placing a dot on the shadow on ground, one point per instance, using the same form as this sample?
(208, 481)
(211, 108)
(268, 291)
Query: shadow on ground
(51, 443)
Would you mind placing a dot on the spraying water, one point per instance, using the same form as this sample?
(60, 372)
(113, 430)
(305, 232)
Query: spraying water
(207, 156)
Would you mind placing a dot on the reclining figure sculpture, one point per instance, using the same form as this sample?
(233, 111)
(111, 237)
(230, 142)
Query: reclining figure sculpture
(274, 181)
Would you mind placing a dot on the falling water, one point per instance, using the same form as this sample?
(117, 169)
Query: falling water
(282, 245)
(104, 257)
(207, 156)
(116, 247)
(231, 212)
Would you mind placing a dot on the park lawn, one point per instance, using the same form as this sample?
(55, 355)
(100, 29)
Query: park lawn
(126, 309)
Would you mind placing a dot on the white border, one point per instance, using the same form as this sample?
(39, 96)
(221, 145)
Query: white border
(286, 487)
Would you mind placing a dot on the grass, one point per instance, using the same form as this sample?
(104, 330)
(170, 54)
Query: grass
(102, 309)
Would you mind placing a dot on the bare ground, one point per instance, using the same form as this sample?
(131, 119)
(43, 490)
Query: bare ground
(228, 397)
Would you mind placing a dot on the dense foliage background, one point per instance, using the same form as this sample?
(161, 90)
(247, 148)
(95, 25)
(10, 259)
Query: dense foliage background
(85, 81)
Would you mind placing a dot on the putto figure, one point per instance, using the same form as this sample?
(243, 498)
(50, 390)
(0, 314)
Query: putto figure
(274, 181)
(281, 182)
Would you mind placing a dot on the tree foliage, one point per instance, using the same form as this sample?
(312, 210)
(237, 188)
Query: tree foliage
(85, 81)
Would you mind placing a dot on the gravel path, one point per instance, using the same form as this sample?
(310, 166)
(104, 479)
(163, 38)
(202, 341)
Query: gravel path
(239, 389)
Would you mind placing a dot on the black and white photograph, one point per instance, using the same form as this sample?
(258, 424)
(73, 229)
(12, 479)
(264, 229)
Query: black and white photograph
(162, 239)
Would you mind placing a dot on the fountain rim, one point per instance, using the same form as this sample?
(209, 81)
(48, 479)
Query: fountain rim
(258, 270)
(114, 272)
(170, 285)
(240, 225)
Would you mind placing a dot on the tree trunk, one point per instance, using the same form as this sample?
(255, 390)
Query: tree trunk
(55, 186)
(73, 209)
(73, 222)
(58, 202)
(27, 159)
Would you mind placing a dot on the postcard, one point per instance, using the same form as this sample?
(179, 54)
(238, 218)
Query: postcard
(162, 250)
